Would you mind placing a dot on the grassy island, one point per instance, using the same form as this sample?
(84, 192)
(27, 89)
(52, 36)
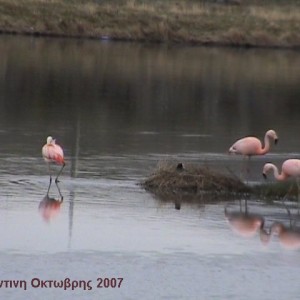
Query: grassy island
(171, 180)
(256, 23)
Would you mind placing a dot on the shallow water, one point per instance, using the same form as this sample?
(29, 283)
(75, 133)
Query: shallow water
(119, 109)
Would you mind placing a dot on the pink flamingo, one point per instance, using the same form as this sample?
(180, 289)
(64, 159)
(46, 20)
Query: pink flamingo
(53, 153)
(290, 168)
(250, 145)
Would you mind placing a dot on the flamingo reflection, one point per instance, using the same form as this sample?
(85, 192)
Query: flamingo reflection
(49, 207)
(244, 223)
(289, 236)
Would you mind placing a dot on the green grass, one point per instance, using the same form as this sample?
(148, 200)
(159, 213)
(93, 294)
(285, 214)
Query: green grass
(277, 190)
(251, 23)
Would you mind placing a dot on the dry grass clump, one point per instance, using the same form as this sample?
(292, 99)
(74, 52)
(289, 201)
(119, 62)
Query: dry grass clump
(170, 177)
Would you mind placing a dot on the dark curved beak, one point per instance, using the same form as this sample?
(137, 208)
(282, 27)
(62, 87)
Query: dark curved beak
(276, 141)
(264, 175)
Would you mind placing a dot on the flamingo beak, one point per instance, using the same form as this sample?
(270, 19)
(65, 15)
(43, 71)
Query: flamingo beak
(276, 141)
(264, 175)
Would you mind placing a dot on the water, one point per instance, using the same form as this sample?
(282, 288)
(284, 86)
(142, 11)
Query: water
(119, 109)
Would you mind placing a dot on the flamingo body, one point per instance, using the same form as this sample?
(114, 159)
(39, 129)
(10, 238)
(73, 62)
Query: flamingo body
(250, 145)
(53, 153)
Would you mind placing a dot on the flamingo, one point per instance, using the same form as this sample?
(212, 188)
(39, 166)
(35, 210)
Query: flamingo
(250, 146)
(290, 168)
(53, 153)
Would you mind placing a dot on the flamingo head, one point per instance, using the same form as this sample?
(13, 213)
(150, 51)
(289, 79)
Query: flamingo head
(232, 149)
(266, 169)
(273, 135)
(50, 140)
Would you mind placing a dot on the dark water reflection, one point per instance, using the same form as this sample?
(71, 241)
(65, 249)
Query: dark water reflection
(118, 109)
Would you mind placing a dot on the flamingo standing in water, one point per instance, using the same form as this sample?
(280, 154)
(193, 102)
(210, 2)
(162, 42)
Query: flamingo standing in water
(251, 145)
(290, 168)
(53, 153)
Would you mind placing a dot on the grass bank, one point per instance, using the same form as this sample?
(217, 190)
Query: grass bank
(268, 23)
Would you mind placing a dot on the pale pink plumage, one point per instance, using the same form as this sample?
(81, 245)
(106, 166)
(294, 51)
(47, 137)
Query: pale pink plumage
(290, 168)
(53, 153)
(249, 146)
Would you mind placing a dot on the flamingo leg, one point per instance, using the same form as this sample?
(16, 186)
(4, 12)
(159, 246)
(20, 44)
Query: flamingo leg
(56, 179)
(243, 172)
(60, 194)
(49, 170)
(298, 194)
(289, 214)
(49, 187)
(246, 169)
(288, 193)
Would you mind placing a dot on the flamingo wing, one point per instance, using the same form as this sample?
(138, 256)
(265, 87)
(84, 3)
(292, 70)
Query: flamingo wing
(53, 153)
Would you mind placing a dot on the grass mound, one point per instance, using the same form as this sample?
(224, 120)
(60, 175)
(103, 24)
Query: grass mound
(172, 181)
(171, 177)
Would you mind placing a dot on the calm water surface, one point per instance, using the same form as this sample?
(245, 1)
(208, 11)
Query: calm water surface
(118, 110)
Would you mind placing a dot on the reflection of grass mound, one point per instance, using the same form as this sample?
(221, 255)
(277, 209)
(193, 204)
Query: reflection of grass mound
(170, 178)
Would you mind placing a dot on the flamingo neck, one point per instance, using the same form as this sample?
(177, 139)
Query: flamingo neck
(266, 147)
(278, 176)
